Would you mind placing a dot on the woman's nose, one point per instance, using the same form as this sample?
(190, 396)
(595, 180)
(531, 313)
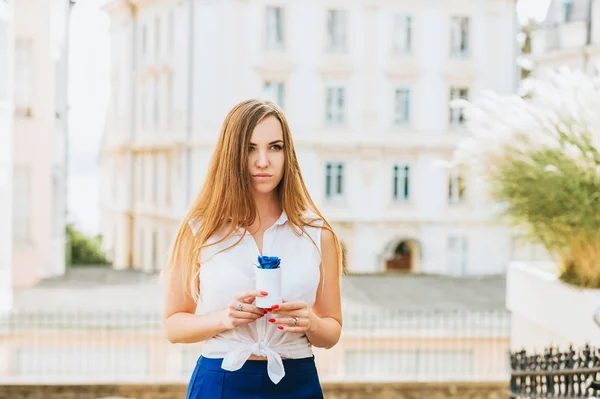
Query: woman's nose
(263, 159)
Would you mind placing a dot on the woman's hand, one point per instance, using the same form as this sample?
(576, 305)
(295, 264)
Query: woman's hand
(292, 316)
(241, 310)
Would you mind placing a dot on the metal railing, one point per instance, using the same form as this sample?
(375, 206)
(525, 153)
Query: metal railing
(376, 345)
(556, 374)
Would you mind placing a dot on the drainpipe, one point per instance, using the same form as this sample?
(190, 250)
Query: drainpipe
(190, 103)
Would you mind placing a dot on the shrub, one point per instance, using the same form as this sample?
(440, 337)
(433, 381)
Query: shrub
(540, 156)
(84, 250)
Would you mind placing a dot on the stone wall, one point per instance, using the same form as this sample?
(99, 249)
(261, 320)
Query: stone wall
(424, 390)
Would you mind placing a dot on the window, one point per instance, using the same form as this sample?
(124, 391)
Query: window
(334, 180)
(402, 36)
(401, 182)
(157, 38)
(21, 204)
(336, 31)
(402, 106)
(567, 10)
(24, 77)
(274, 35)
(457, 255)
(456, 187)
(275, 91)
(457, 116)
(334, 105)
(459, 37)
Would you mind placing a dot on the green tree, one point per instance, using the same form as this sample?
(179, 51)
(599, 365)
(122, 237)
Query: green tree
(84, 250)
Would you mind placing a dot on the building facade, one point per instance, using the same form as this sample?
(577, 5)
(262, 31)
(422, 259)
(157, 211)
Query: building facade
(6, 106)
(569, 36)
(39, 140)
(366, 86)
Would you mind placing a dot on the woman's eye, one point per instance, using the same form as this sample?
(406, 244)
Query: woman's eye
(250, 149)
(277, 147)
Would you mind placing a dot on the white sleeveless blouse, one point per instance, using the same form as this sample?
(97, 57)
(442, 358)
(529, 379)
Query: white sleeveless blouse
(231, 272)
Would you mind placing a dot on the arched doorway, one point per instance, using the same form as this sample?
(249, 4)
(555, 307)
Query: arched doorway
(404, 257)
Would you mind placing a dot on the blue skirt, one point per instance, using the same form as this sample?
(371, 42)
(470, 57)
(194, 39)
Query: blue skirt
(210, 381)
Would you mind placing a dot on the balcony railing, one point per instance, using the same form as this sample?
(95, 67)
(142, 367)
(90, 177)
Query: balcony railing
(376, 345)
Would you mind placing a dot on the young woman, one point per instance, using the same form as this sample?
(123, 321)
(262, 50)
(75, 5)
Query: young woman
(253, 203)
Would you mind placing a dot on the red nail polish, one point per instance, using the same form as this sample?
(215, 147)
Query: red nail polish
(264, 292)
(275, 307)
(271, 320)
(268, 310)
(280, 327)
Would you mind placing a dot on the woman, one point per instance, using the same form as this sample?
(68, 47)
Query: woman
(253, 203)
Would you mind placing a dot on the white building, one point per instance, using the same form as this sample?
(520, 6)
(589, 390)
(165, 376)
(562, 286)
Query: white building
(39, 140)
(6, 101)
(366, 86)
(569, 36)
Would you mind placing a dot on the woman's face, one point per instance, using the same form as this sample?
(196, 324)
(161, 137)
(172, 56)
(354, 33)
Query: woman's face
(266, 157)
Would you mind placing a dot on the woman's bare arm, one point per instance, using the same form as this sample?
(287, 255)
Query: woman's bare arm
(326, 314)
(182, 325)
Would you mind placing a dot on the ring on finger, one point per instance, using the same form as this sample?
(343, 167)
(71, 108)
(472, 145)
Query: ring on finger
(295, 321)
(240, 306)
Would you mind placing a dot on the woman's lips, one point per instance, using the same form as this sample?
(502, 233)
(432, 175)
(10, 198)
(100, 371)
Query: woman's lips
(262, 177)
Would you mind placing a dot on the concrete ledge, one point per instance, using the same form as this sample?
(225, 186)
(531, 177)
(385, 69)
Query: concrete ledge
(546, 311)
(342, 390)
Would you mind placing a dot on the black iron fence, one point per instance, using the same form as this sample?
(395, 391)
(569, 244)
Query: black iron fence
(573, 373)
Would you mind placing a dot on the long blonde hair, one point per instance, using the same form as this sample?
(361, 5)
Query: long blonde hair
(226, 200)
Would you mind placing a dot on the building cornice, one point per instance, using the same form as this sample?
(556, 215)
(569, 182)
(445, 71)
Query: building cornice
(335, 66)
(405, 68)
(275, 66)
(460, 71)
